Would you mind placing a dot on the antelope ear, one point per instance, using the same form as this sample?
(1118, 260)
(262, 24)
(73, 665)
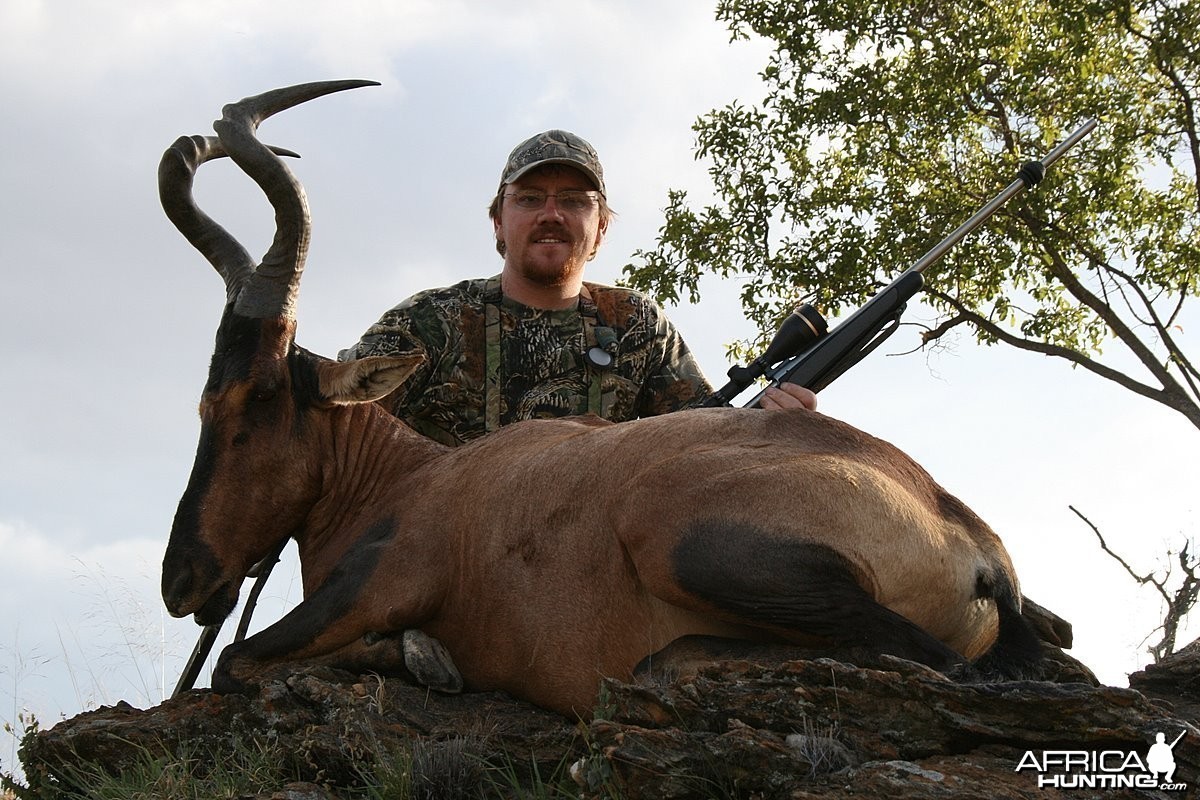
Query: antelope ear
(364, 379)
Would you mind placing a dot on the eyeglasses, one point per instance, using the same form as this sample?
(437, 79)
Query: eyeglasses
(573, 201)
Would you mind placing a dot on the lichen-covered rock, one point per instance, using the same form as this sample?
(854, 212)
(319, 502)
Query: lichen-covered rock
(797, 729)
(324, 727)
(899, 732)
(1175, 680)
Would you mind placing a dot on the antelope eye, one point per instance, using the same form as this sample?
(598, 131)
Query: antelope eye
(263, 394)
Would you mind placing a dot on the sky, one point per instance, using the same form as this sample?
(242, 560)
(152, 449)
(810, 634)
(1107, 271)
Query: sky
(107, 315)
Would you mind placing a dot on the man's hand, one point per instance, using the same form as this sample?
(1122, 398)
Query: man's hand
(788, 395)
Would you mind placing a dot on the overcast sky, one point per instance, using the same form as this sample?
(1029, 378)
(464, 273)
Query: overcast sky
(107, 315)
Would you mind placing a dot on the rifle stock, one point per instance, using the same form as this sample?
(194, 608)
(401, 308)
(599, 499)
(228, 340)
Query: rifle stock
(806, 353)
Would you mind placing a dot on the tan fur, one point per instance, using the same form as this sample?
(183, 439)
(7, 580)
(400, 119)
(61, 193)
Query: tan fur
(541, 554)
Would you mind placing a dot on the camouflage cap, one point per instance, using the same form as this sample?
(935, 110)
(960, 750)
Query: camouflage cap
(554, 147)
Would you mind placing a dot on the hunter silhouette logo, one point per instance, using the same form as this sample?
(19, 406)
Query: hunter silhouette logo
(1106, 769)
(1161, 757)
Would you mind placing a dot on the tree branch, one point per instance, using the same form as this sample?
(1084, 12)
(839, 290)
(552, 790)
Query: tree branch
(1183, 601)
(1124, 333)
(1172, 394)
(1174, 352)
(1075, 357)
(1178, 605)
(933, 334)
(1142, 579)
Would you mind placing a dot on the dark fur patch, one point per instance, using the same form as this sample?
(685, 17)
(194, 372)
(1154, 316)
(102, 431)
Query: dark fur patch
(238, 346)
(233, 354)
(187, 513)
(188, 561)
(793, 586)
(306, 384)
(329, 604)
(1017, 652)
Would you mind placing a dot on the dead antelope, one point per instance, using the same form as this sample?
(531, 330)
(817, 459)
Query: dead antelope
(549, 553)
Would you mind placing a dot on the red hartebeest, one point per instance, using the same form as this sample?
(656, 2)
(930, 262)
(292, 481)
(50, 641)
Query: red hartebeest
(550, 553)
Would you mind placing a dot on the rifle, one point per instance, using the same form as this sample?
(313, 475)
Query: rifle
(804, 350)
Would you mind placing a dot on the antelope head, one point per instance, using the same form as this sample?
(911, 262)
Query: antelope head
(254, 477)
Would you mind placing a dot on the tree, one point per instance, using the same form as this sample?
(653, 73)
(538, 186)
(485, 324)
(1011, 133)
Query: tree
(886, 124)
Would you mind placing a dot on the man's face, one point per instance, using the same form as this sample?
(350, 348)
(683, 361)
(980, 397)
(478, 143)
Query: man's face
(549, 245)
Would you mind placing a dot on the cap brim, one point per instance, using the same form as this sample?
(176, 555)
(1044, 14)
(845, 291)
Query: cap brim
(566, 162)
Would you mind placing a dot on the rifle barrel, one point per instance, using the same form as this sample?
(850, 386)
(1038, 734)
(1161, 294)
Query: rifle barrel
(1066, 144)
(1018, 184)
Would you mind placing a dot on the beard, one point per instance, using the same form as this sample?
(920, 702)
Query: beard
(551, 265)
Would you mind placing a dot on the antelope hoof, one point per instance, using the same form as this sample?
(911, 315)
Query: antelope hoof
(224, 679)
(429, 662)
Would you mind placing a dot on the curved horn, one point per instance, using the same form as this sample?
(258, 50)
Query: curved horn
(176, 172)
(270, 291)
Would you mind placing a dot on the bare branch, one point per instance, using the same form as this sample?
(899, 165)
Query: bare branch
(1179, 603)
(1142, 579)
(1174, 352)
(933, 334)
(1183, 601)
(1172, 394)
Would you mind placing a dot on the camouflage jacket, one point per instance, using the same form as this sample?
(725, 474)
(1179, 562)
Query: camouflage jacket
(537, 355)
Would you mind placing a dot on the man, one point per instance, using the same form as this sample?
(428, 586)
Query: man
(537, 340)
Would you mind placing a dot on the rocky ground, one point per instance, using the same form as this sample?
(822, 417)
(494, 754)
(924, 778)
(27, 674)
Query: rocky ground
(797, 729)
